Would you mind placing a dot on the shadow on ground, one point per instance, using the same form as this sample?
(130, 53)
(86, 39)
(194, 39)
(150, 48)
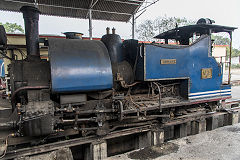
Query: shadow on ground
(154, 151)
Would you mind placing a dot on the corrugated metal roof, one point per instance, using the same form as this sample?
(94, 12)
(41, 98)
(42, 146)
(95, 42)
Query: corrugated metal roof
(112, 10)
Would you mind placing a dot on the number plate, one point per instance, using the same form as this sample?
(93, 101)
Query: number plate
(206, 73)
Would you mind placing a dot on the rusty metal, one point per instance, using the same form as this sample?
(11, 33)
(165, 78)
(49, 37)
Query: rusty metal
(3, 36)
(93, 119)
(73, 142)
(27, 88)
(159, 94)
(121, 116)
(31, 17)
(147, 126)
(230, 57)
(233, 101)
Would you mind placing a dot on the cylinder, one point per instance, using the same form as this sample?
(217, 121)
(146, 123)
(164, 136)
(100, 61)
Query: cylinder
(31, 17)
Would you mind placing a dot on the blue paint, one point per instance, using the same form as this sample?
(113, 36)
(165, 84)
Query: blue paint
(2, 72)
(225, 92)
(79, 65)
(190, 60)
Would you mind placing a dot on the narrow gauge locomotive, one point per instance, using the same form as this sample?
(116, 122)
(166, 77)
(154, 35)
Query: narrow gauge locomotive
(96, 87)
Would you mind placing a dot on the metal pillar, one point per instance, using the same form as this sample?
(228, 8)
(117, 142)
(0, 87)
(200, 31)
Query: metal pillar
(90, 23)
(230, 59)
(133, 26)
(35, 3)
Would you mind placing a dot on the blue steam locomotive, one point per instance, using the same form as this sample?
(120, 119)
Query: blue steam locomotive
(96, 87)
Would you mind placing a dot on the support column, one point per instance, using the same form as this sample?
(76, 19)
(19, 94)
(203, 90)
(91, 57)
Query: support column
(212, 123)
(180, 130)
(233, 119)
(226, 119)
(87, 153)
(194, 128)
(98, 150)
(90, 23)
(183, 130)
(221, 120)
(133, 26)
(201, 126)
(143, 140)
(230, 58)
(157, 137)
(189, 128)
(168, 133)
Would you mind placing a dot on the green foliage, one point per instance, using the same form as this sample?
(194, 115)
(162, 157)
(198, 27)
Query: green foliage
(220, 40)
(12, 27)
(235, 52)
(235, 66)
(162, 24)
(146, 30)
(150, 28)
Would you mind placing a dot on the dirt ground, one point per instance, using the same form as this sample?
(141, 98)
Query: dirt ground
(219, 144)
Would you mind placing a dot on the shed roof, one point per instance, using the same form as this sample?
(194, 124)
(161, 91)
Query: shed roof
(112, 10)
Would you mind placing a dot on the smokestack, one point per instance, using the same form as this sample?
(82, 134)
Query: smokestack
(31, 17)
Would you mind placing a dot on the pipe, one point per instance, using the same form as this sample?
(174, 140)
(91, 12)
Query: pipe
(31, 17)
(27, 88)
(107, 30)
(78, 120)
(131, 125)
(159, 94)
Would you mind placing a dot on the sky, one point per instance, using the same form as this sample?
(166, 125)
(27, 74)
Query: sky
(224, 12)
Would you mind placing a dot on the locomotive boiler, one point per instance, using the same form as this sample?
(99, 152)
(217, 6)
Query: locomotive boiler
(96, 87)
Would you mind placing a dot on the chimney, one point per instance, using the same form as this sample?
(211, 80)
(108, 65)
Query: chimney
(31, 17)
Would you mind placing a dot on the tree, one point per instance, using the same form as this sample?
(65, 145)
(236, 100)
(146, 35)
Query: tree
(165, 23)
(150, 28)
(235, 52)
(12, 27)
(146, 30)
(220, 40)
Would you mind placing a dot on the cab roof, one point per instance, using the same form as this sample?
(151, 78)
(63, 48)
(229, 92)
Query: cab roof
(188, 31)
